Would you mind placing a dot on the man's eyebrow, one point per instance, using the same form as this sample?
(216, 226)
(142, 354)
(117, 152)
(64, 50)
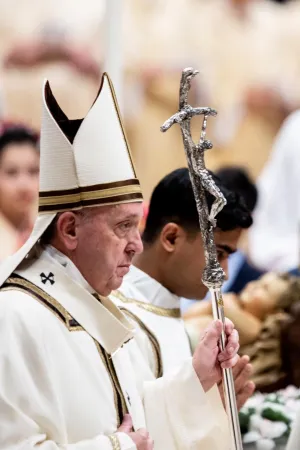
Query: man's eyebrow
(129, 216)
(226, 248)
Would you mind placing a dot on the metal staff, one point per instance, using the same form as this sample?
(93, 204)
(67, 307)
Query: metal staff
(213, 275)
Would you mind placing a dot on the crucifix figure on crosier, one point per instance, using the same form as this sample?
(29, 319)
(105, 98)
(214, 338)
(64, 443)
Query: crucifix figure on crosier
(213, 275)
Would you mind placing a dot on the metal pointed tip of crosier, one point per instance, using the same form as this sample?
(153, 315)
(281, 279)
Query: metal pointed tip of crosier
(213, 275)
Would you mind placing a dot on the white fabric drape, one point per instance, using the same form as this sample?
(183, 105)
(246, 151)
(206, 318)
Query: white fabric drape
(274, 237)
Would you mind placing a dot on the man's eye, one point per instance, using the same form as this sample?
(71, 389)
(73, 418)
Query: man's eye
(221, 255)
(125, 226)
(33, 171)
(12, 172)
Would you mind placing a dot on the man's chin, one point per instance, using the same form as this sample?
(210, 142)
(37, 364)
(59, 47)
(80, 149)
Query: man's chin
(112, 286)
(117, 283)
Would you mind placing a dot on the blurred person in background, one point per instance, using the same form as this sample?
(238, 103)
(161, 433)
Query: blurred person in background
(240, 48)
(274, 240)
(19, 184)
(240, 271)
(171, 265)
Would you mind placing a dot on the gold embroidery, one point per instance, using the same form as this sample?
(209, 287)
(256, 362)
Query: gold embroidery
(93, 195)
(112, 90)
(115, 443)
(119, 400)
(20, 284)
(153, 341)
(165, 312)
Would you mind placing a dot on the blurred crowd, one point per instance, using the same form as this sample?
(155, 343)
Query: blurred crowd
(248, 54)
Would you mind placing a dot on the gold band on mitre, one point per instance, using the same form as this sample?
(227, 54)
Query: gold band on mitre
(126, 191)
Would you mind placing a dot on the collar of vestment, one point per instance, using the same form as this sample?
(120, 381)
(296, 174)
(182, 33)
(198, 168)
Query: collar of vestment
(56, 275)
(150, 294)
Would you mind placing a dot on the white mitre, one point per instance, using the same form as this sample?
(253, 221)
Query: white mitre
(83, 163)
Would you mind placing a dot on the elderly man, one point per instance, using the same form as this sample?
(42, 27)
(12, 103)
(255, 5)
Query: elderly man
(171, 265)
(70, 368)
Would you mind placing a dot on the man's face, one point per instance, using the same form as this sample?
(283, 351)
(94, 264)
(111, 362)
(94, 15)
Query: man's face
(19, 180)
(187, 262)
(108, 239)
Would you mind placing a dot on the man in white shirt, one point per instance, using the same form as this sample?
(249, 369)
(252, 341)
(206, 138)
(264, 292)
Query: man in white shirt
(171, 265)
(70, 368)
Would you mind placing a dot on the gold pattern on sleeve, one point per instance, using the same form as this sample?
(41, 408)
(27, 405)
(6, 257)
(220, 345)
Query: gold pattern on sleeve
(115, 443)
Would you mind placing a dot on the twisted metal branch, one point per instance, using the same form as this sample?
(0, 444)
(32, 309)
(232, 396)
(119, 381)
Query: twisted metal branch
(202, 181)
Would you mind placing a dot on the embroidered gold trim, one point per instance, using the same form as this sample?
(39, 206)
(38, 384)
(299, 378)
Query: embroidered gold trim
(20, 284)
(115, 443)
(90, 188)
(92, 195)
(119, 400)
(118, 199)
(25, 286)
(112, 90)
(153, 341)
(165, 312)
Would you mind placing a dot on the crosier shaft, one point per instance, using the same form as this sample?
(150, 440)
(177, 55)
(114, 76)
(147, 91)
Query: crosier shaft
(213, 275)
(228, 382)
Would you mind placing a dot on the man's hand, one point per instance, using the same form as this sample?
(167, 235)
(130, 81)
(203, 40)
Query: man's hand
(142, 440)
(244, 388)
(208, 360)
(141, 437)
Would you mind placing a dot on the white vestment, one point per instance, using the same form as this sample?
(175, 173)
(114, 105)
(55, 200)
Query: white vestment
(274, 237)
(69, 369)
(158, 310)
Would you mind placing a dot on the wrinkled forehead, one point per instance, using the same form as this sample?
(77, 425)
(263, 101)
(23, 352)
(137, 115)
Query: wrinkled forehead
(121, 211)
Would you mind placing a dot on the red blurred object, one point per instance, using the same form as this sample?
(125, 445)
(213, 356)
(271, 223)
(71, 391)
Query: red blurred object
(31, 53)
(144, 218)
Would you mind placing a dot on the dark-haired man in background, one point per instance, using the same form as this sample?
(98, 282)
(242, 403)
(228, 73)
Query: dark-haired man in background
(240, 270)
(171, 267)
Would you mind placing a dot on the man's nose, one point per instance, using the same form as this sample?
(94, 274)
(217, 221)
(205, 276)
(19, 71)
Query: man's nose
(138, 243)
(24, 183)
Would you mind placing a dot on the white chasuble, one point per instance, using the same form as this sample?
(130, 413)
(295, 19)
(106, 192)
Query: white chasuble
(70, 368)
(157, 312)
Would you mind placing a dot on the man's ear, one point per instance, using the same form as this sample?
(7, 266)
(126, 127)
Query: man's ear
(170, 236)
(66, 228)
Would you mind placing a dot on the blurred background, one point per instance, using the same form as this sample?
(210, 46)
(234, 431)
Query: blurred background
(248, 55)
(247, 52)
